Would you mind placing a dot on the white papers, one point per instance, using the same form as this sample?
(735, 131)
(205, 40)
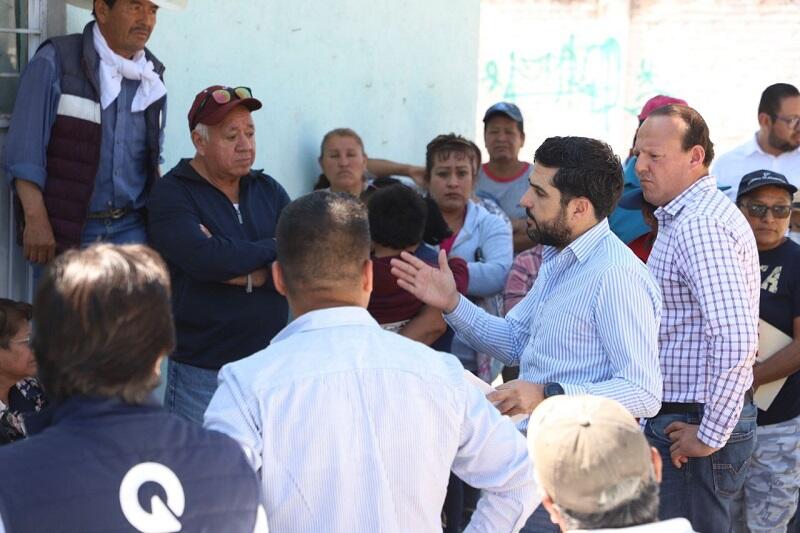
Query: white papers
(770, 341)
(485, 388)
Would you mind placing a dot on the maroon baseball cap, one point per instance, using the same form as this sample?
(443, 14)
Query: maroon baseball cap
(656, 102)
(212, 104)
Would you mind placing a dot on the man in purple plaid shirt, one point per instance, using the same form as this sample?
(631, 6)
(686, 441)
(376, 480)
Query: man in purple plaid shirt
(706, 261)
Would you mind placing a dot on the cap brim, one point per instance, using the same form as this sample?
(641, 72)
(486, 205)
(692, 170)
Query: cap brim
(168, 4)
(491, 114)
(785, 186)
(222, 111)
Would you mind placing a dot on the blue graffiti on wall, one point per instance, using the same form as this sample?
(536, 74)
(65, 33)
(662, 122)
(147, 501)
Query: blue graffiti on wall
(592, 72)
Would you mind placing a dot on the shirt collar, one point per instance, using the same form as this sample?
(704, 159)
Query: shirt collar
(583, 246)
(751, 147)
(700, 187)
(332, 317)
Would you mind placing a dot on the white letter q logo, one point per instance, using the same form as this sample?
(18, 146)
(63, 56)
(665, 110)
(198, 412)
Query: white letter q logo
(162, 516)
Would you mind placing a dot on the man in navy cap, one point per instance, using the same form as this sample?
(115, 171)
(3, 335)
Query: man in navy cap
(213, 219)
(769, 497)
(504, 179)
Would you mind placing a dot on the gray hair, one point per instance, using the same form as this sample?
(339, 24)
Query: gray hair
(202, 131)
(642, 509)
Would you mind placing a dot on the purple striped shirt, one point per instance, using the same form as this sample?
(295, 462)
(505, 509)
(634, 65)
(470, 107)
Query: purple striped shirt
(706, 261)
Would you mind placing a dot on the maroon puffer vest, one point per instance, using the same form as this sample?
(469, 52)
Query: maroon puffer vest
(73, 152)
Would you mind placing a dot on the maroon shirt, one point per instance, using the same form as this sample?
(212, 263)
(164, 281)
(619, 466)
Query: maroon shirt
(389, 303)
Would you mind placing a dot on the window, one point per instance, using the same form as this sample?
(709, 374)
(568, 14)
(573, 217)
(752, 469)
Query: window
(21, 32)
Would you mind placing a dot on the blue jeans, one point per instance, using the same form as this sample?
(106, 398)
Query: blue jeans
(189, 390)
(129, 229)
(703, 489)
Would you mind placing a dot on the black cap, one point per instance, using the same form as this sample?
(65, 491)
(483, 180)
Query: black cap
(760, 178)
(504, 108)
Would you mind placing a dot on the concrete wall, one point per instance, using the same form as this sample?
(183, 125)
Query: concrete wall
(586, 67)
(398, 72)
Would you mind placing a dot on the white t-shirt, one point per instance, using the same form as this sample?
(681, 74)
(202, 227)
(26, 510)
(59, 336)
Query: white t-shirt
(749, 157)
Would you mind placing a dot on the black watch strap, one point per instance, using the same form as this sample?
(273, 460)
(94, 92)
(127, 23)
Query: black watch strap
(552, 389)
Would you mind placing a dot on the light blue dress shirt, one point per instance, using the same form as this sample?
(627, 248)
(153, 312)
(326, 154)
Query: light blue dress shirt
(590, 323)
(355, 428)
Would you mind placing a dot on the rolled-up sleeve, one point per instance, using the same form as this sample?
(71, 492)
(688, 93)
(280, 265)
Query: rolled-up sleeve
(713, 271)
(33, 117)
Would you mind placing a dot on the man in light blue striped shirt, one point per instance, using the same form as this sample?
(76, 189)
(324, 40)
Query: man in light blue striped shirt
(354, 428)
(590, 323)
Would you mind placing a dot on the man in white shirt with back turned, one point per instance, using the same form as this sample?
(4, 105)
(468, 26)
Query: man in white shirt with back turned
(354, 428)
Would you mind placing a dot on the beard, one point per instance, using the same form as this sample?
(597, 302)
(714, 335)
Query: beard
(784, 145)
(554, 233)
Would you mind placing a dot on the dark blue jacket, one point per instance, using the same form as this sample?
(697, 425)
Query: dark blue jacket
(95, 464)
(218, 323)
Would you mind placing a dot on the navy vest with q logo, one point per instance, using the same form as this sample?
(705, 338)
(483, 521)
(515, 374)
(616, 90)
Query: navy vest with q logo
(95, 464)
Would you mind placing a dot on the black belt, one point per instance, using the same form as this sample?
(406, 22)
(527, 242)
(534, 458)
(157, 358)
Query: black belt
(113, 214)
(674, 408)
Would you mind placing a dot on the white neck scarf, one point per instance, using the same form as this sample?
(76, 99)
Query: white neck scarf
(114, 67)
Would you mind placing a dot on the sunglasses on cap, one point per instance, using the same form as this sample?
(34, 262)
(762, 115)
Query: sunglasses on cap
(760, 210)
(223, 96)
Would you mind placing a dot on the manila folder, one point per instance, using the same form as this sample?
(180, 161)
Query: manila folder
(770, 341)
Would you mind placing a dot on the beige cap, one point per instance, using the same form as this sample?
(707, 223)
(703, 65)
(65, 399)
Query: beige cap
(589, 453)
(169, 4)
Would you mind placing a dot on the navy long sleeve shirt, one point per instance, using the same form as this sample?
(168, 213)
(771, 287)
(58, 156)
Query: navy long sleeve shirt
(216, 322)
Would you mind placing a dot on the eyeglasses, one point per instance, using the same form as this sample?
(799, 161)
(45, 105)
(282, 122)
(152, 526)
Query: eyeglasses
(223, 96)
(760, 210)
(793, 122)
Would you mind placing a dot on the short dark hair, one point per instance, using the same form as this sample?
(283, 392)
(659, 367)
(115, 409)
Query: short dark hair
(102, 319)
(436, 228)
(586, 167)
(444, 145)
(696, 128)
(12, 315)
(772, 97)
(396, 217)
(323, 241)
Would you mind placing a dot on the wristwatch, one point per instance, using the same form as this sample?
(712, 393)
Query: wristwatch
(552, 389)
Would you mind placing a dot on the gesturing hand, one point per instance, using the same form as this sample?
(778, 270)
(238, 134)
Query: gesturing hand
(435, 287)
(685, 443)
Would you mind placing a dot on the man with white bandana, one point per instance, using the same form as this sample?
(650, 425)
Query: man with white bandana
(85, 137)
